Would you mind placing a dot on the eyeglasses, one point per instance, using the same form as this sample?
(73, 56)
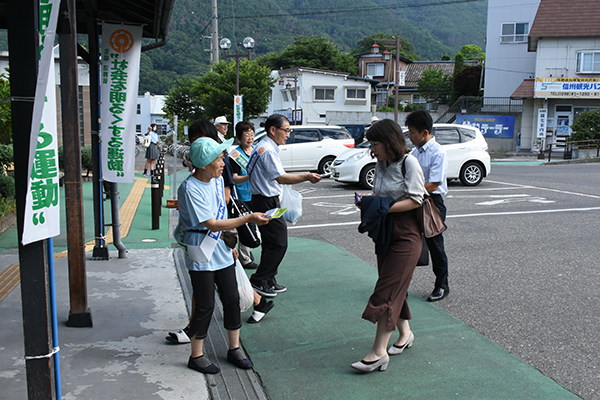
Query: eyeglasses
(288, 130)
(248, 133)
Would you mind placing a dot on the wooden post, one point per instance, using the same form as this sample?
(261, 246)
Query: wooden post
(79, 315)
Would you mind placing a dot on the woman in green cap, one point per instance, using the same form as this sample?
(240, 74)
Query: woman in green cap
(202, 217)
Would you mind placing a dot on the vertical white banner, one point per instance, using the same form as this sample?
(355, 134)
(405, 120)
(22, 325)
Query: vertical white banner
(541, 123)
(121, 48)
(42, 213)
(238, 110)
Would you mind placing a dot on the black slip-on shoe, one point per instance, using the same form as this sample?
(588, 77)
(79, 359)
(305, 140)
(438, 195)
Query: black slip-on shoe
(438, 294)
(201, 364)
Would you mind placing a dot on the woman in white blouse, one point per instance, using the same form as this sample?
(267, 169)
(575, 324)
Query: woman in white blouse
(398, 176)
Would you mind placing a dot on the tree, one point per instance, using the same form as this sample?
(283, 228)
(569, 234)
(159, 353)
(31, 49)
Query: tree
(467, 81)
(472, 52)
(406, 48)
(211, 95)
(5, 111)
(310, 52)
(587, 125)
(435, 85)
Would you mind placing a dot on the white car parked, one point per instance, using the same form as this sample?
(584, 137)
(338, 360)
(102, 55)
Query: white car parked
(312, 147)
(466, 150)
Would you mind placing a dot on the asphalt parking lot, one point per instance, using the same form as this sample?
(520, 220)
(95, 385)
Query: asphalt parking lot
(523, 261)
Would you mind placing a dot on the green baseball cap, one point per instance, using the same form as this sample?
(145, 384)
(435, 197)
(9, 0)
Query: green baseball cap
(205, 150)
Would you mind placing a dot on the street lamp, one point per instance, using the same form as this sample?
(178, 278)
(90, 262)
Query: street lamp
(225, 44)
(391, 43)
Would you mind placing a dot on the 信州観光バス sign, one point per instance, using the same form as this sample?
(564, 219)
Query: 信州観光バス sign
(567, 88)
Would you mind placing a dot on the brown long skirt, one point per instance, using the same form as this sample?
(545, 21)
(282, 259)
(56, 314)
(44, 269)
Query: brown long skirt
(395, 272)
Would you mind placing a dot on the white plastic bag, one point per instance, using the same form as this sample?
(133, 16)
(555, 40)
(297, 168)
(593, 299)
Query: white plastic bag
(244, 287)
(291, 200)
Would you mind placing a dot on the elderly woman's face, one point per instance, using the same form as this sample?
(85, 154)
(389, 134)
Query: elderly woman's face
(215, 168)
(247, 138)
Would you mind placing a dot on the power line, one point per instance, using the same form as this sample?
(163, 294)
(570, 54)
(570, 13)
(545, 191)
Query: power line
(290, 13)
(194, 39)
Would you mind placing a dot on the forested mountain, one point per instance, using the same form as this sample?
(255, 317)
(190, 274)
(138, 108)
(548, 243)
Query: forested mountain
(434, 27)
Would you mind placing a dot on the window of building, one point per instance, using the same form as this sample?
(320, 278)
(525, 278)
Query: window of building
(139, 109)
(161, 129)
(579, 110)
(284, 94)
(325, 94)
(514, 32)
(80, 110)
(356, 94)
(418, 99)
(588, 62)
(375, 69)
(293, 94)
(138, 128)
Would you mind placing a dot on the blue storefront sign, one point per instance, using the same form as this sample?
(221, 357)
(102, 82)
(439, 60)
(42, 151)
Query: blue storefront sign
(492, 126)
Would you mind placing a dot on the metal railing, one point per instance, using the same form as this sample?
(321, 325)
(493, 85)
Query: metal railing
(479, 105)
(574, 144)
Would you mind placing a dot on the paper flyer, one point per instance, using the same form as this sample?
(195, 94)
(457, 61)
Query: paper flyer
(276, 212)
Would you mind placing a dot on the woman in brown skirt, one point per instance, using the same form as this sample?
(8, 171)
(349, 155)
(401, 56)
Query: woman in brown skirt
(399, 181)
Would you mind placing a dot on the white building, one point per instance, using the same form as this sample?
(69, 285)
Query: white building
(150, 111)
(311, 93)
(507, 61)
(567, 70)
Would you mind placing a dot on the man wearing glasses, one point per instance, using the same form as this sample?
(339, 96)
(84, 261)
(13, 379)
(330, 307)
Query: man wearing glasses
(266, 179)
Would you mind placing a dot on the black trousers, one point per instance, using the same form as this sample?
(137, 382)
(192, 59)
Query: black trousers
(439, 259)
(203, 283)
(274, 242)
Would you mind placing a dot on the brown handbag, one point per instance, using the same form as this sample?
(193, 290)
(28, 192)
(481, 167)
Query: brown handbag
(430, 218)
(428, 215)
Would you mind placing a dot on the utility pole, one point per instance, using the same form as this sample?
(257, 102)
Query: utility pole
(214, 42)
(391, 43)
(397, 77)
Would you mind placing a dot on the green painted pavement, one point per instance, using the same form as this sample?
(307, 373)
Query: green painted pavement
(141, 225)
(303, 349)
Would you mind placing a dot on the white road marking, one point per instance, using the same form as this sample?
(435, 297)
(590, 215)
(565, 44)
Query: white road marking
(515, 200)
(345, 209)
(324, 225)
(487, 196)
(461, 216)
(548, 189)
(349, 196)
(305, 191)
(525, 212)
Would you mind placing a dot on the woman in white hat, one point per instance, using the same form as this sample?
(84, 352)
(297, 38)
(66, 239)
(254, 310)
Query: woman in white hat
(202, 217)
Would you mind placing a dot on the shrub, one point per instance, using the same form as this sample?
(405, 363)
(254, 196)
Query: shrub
(7, 207)
(6, 157)
(587, 126)
(86, 158)
(7, 187)
(413, 107)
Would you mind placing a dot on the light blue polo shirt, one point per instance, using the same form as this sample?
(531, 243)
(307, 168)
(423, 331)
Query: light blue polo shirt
(198, 202)
(432, 158)
(268, 168)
